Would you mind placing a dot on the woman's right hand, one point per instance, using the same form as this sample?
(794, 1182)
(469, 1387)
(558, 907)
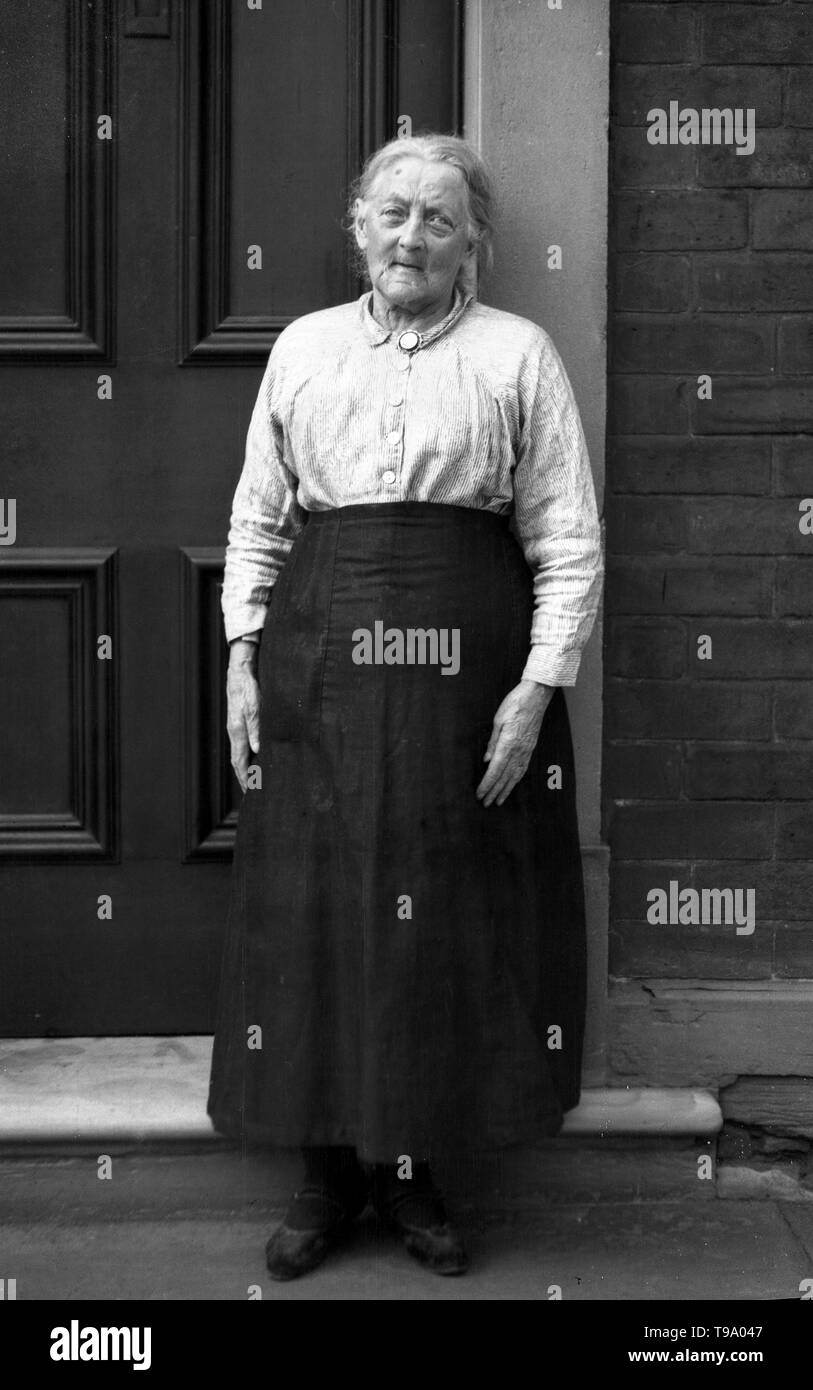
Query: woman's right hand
(243, 698)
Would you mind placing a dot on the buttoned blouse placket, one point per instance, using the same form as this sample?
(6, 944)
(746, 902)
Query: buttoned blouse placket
(404, 347)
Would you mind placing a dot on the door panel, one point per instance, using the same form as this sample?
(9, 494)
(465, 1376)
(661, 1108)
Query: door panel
(132, 340)
(56, 250)
(58, 745)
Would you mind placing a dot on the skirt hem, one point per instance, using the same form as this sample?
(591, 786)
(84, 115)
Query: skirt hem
(258, 1136)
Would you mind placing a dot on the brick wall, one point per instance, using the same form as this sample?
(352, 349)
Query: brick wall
(709, 763)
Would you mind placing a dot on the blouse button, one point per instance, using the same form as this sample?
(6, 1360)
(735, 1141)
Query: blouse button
(409, 341)
(394, 437)
(388, 477)
(402, 364)
(396, 400)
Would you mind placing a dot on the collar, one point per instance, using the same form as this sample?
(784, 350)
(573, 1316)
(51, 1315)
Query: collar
(378, 335)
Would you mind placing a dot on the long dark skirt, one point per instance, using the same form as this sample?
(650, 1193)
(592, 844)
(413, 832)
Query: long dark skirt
(415, 961)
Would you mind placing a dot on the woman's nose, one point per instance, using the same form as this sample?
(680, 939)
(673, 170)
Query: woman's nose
(412, 231)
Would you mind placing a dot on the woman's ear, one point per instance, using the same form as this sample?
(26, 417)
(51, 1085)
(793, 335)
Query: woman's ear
(359, 228)
(468, 276)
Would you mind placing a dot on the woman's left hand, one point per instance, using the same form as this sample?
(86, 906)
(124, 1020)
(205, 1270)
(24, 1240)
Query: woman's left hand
(513, 739)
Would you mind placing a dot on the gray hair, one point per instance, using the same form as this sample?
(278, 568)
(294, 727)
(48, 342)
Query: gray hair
(445, 149)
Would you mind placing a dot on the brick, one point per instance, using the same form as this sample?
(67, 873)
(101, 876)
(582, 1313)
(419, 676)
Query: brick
(793, 890)
(755, 282)
(796, 345)
(794, 586)
(657, 284)
(707, 343)
(799, 97)
(781, 159)
(739, 466)
(761, 876)
(763, 405)
(630, 881)
(685, 830)
(655, 34)
(793, 467)
(664, 221)
(758, 874)
(647, 649)
(730, 587)
(744, 34)
(783, 221)
(746, 526)
(793, 951)
(635, 163)
(647, 405)
(759, 649)
(723, 771)
(780, 1104)
(670, 709)
(794, 831)
(645, 524)
(639, 950)
(637, 90)
(794, 711)
(642, 771)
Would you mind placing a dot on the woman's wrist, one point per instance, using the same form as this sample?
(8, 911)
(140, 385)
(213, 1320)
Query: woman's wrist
(537, 688)
(243, 652)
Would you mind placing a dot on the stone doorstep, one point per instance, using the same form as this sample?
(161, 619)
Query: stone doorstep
(153, 1090)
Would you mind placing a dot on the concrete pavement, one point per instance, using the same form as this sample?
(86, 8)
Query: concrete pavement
(192, 1226)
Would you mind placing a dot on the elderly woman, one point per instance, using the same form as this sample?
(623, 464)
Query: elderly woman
(412, 571)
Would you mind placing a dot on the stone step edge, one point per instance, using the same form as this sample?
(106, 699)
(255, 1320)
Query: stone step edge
(153, 1090)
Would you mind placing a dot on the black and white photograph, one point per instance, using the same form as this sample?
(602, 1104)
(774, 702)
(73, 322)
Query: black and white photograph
(406, 666)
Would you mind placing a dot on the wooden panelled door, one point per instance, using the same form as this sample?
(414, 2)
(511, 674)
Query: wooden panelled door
(174, 176)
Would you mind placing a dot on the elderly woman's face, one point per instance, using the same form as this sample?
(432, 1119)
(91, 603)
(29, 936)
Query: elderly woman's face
(414, 230)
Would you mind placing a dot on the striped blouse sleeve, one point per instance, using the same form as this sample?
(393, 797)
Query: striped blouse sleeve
(556, 518)
(265, 515)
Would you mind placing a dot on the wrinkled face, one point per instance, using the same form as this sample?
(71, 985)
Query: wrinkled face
(414, 231)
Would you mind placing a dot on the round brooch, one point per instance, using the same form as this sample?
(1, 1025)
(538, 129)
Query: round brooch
(409, 341)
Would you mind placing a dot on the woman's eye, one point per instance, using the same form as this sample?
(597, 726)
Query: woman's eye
(442, 222)
(391, 213)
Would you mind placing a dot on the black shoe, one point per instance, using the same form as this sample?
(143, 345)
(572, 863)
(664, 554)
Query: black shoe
(419, 1216)
(316, 1221)
(295, 1250)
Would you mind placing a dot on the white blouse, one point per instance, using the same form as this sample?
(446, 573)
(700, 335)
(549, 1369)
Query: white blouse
(481, 414)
